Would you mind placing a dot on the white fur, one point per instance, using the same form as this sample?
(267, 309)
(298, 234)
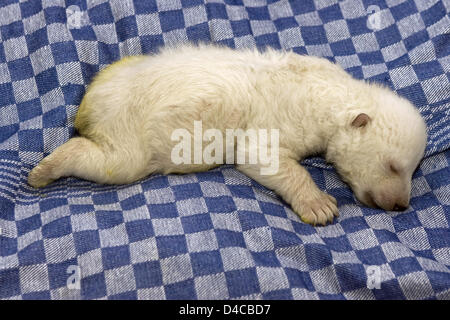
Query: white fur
(131, 108)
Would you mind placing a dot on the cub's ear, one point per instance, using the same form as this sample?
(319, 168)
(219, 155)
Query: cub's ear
(361, 120)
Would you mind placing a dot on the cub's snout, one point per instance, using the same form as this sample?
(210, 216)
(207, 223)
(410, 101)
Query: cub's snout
(387, 200)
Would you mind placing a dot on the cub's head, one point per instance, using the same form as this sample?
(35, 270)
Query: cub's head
(377, 147)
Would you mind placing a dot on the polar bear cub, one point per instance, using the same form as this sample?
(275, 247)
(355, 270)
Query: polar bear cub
(126, 120)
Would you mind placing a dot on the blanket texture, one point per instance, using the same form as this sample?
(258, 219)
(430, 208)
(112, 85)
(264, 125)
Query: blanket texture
(217, 234)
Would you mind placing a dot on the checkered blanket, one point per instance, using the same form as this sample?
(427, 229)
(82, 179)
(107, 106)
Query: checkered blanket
(217, 234)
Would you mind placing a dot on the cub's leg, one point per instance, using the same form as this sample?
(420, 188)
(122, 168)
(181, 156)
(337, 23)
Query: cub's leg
(296, 187)
(83, 158)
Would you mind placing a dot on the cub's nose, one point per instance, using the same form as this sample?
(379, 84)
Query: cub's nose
(399, 207)
(401, 204)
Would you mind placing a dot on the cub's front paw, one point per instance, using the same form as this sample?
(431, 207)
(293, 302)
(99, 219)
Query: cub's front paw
(319, 208)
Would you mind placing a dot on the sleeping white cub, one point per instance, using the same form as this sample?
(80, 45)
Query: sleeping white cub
(374, 137)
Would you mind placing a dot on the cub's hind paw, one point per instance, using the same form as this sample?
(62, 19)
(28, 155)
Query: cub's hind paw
(40, 176)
